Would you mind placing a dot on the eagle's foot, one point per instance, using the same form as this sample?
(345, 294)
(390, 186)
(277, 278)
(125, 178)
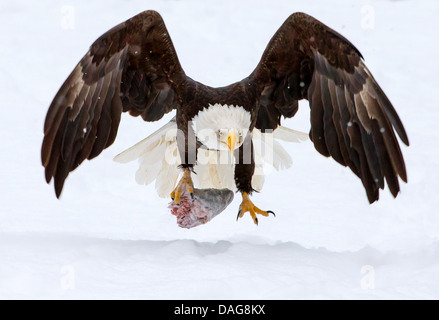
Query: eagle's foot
(184, 185)
(248, 206)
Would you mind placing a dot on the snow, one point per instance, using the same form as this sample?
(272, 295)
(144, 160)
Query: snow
(110, 238)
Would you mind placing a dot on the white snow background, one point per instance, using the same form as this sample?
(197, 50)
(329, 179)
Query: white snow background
(108, 237)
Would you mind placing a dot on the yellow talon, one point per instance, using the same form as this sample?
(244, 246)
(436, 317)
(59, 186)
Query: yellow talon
(248, 206)
(184, 185)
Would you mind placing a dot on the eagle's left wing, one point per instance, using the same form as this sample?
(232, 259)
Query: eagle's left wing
(352, 120)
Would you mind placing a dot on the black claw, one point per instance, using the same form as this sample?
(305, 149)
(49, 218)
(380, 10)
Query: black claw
(256, 221)
(192, 196)
(269, 211)
(239, 213)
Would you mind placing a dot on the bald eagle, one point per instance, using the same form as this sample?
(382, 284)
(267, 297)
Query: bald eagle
(134, 68)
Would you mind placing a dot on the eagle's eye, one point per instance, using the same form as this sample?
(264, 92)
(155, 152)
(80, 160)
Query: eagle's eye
(222, 134)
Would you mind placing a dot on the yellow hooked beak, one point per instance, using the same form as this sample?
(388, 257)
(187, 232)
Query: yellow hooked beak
(231, 140)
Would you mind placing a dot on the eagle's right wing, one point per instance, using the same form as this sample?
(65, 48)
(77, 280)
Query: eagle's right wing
(352, 120)
(132, 67)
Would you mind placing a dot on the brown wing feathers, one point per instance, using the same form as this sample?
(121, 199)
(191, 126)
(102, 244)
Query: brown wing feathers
(133, 67)
(352, 120)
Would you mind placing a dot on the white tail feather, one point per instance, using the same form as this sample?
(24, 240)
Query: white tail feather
(290, 135)
(281, 158)
(268, 150)
(146, 145)
(258, 179)
(166, 179)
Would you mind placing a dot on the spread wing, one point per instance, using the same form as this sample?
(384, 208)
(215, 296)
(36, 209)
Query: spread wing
(352, 120)
(133, 67)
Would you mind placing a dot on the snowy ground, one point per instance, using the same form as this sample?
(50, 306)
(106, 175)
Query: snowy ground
(110, 238)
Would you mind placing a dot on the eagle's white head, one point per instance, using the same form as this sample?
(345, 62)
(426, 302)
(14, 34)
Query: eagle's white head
(222, 127)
